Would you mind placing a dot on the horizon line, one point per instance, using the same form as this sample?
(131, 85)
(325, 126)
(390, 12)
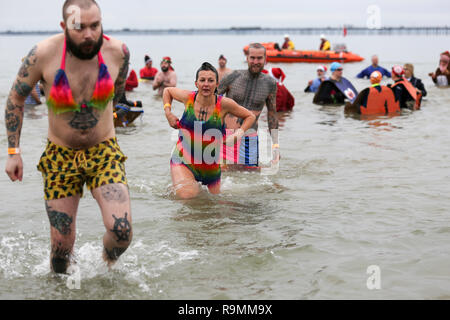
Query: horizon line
(244, 28)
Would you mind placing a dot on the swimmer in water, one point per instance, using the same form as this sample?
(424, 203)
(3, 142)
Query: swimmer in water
(197, 155)
(252, 89)
(83, 73)
(166, 78)
(223, 70)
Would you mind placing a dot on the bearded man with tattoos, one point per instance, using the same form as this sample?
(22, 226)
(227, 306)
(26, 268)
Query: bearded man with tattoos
(251, 89)
(83, 73)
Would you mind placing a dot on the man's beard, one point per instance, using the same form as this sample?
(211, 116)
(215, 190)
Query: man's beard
(77, 50)
(165, 69)
(259, 69)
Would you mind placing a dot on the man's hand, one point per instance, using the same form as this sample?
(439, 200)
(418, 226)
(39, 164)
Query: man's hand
(14, 167)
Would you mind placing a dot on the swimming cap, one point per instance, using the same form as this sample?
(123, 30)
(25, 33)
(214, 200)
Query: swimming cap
(375, 77)
(398, 70)
(335, 65)
(322, 36)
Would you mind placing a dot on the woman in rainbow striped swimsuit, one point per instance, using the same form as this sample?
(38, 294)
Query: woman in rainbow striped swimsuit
(197, 155)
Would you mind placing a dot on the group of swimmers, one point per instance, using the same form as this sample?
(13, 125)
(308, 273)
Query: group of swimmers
(406, 92)
(83, 73)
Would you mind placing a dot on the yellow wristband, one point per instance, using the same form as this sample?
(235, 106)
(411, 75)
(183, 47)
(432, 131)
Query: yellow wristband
(167, 105)
(276, 146)
(12, 151)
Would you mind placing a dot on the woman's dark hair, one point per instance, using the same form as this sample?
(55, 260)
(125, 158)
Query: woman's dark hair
(206, 66)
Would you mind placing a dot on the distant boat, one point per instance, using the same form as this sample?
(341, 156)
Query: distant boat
(308, 56)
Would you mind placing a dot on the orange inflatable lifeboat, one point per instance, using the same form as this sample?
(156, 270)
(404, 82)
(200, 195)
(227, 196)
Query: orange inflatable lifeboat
(275, 55)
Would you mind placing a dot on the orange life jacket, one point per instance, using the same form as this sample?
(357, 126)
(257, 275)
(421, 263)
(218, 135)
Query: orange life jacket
(417, 96)
(380, 102)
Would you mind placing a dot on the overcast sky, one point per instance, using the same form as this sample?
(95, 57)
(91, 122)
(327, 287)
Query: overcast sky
(28, 15)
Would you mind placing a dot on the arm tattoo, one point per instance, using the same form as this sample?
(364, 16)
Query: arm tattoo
(122, 228)
(12, 142)
(113, 192)
(22, 88)
(29, 61)
(59, 220)
(122, 76)
(13, 122)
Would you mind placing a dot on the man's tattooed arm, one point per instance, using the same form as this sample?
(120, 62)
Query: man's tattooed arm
(119, 85)
(22, 87)
(29, 61)
(14, 112)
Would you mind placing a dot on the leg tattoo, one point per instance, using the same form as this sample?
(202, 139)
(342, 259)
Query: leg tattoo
(60, 259)
(122, 228)
(59, 220)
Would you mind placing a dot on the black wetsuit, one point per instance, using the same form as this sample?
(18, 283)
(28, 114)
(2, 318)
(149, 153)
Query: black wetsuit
(419, 85)
(328, 93)
(402, 95)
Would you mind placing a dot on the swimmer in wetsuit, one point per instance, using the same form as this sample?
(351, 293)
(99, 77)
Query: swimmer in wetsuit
(252, 89)
(197, 155)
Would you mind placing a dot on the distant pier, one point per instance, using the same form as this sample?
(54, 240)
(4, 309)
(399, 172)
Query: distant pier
(351, 31)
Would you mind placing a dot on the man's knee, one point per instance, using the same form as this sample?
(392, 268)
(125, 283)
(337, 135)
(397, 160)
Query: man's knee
(120, 230)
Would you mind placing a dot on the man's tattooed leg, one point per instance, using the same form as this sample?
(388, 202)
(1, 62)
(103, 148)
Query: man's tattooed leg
(122, 228)
(114, 192)
(59, 220)
(60, 258)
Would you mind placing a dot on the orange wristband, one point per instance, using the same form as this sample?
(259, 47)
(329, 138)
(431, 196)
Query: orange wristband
(167, 105)
(13, 151)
